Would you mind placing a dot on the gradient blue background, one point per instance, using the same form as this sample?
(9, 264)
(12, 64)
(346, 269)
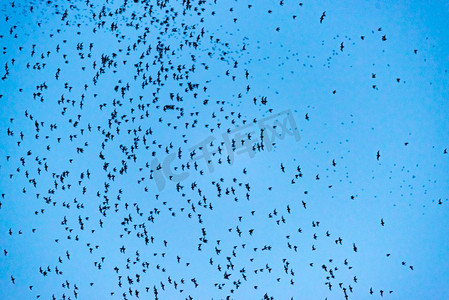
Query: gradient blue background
(297, 68)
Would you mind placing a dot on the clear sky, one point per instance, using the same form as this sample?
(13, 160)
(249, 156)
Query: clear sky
(357, 92)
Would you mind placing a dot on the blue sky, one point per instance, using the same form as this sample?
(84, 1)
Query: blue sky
(386, 92)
